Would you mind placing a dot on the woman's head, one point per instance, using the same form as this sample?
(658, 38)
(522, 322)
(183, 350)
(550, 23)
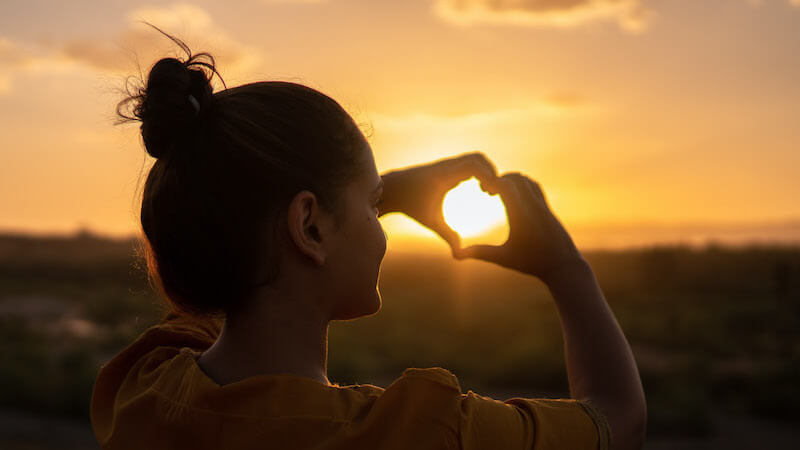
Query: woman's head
(249, 182)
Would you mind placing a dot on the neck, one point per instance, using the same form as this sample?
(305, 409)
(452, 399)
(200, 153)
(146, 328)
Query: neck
(273, 335)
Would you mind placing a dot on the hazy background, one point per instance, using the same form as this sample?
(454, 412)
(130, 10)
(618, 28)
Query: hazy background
(663, 132)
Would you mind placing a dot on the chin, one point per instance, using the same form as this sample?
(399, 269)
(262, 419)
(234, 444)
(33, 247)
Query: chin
(376, 304)
(363, 307)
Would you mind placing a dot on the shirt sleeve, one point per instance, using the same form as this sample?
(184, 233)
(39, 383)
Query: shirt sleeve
(529, 423)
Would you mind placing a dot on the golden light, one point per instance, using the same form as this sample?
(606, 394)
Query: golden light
(473, 213)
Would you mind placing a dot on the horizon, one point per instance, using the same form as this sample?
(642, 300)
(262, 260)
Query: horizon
(588, 237)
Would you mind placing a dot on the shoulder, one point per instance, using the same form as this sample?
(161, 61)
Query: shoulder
(436, 376)
(164, 340)
(423, 392)
(141, 360)
(436, 388)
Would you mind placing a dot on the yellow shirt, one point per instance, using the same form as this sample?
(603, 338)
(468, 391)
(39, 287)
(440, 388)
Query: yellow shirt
(153, 395)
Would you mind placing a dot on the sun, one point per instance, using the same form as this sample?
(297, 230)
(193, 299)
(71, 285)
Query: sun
(472, 212)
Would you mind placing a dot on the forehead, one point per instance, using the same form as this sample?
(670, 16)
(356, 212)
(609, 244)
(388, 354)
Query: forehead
(369, 174)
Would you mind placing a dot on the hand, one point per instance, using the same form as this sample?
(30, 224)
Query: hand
(419, 191)
(537, 242)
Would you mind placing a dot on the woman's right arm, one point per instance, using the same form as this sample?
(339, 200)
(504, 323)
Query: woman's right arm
(600, 364)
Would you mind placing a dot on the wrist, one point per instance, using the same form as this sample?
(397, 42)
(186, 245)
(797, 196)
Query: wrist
(566, 273)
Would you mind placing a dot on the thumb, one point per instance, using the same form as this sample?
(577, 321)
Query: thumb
(491, 253)
(449, 235)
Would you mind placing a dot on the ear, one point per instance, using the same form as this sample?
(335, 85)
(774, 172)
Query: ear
(304, 222)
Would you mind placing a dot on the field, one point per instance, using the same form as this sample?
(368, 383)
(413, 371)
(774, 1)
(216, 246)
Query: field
(715, 331)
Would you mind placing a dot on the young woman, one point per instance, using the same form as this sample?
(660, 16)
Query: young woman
(260, 219)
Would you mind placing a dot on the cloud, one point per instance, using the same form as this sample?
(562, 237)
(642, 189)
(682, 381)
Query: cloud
(20, 58)
(412, 137)
(556, 104)
(294, 1)
(547, 106)
(631, 15)
(97, 54)
(5, 84)
(178, 15)
(9, 57)
(565, 100)
(12, 53)
(137, 41)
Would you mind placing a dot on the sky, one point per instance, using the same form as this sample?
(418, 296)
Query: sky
(640, 118)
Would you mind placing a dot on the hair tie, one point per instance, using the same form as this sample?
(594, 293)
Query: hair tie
(194, 103)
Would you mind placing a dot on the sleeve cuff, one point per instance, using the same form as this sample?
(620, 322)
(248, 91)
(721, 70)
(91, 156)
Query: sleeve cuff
(599, 419)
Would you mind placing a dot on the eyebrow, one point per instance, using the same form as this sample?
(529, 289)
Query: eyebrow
(379, 187)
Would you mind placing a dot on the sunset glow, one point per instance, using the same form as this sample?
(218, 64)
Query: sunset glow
(470, 211)
(626, 112)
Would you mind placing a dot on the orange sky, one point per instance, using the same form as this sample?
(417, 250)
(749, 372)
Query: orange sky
(631, 113)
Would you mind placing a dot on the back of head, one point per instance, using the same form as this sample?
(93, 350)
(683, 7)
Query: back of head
(228, 164)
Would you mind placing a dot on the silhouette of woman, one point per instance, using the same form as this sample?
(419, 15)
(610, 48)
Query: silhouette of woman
(260, 221)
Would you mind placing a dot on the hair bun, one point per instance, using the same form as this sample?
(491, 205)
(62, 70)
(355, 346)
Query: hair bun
(174, 98)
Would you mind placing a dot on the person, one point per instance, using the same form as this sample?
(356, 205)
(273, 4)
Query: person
(260, 225)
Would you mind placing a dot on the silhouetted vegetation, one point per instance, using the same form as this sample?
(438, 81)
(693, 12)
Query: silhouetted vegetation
(713, 328)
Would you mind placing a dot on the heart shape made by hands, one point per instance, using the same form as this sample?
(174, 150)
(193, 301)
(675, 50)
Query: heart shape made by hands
(479, 218)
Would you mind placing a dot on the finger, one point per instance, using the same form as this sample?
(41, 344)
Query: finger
(535, 191)
(530, 189)
(508, 186)
(449, 235)
(490, 253)
(469, 165)
(488, 187)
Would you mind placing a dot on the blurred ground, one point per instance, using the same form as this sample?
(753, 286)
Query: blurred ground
(715, 332)
(24, 431)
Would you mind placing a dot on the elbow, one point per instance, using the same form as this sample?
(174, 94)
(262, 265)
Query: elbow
(627, 419)
(630, 430)
(638, 430)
